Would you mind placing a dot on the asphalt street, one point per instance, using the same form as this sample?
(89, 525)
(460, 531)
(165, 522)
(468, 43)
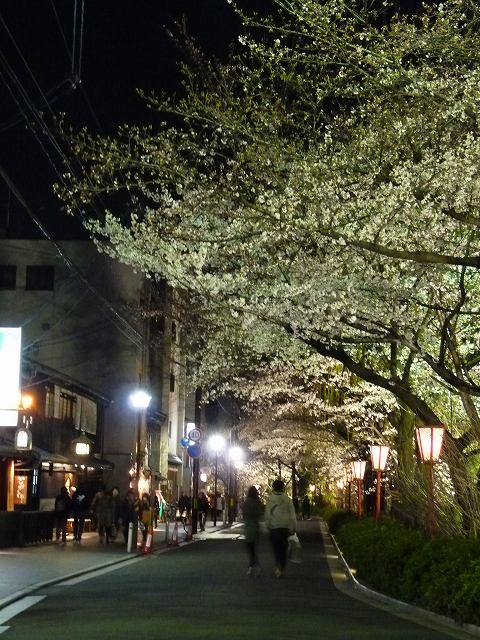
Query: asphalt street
(202, 591)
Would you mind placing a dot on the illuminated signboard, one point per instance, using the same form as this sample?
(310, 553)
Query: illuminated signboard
(10, 351)
(20, 489)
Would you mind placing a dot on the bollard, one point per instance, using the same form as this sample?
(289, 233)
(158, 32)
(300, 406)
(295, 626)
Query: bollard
(188, 532)
(173, 542)
(130, 537)
(148, 547)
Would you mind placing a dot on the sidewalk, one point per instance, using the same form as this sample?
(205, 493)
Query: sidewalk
(23, 569)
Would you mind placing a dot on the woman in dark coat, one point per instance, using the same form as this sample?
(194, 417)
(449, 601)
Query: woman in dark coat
(252, 515)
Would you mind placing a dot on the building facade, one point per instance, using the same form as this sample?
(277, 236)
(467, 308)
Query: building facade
(90, 338)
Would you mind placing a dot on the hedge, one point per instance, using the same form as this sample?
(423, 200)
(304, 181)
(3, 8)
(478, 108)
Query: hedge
(441, 574)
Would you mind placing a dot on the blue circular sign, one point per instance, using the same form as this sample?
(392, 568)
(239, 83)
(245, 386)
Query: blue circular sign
(185, 442)
(194, 450)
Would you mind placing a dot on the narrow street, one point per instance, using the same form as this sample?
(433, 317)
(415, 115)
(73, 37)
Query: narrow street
(202, 591)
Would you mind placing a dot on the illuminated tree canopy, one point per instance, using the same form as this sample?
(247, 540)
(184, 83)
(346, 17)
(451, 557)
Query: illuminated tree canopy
(322, 185)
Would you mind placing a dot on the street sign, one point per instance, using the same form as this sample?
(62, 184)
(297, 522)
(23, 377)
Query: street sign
(195, 435)
(185, 442)
(194, 450)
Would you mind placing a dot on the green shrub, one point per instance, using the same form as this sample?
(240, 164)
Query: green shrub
(466, 601)
(336, 518)
(379, 552)
(436, 573)
(442, 575)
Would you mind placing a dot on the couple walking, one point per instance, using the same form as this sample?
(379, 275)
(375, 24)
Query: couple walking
(280, 520)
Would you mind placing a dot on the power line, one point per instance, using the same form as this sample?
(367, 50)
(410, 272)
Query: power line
(124, 326)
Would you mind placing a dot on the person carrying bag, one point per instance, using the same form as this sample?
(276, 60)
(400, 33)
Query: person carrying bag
(294, 549)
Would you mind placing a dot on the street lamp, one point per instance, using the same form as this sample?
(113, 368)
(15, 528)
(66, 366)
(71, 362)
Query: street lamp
(349, 480)
(139, 400)
(358, 469)
(216, 443)
(430, 441)
(379, 455)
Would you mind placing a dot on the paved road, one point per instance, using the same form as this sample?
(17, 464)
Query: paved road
(201, 591)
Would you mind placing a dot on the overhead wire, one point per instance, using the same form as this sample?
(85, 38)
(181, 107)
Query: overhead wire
(123, 325)
(79, 83)
(126, 328)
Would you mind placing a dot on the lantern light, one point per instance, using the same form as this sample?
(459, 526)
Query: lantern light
(358, 468)
(23, 438)
(379, 455)
(26, 402)
(430, 441)
(81, 445)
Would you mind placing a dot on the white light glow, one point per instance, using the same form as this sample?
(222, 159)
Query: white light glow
(23, 439)
(216, 443)
(82, 448)
(10, 349)
(140, 399)
(236, 454)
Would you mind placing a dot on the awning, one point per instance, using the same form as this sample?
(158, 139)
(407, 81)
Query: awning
(174, 459)
(7, 449)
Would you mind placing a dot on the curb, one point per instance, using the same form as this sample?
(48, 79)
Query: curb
(399, 605)
(18, 595)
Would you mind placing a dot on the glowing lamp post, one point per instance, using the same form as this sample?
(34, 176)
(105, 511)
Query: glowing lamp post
(216, 443)
(358, 469)
(430, 441)
(379, 455)
(139, 400)
(349, 480)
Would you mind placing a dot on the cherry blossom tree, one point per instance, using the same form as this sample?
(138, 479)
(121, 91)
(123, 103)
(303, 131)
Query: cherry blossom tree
(323, 186)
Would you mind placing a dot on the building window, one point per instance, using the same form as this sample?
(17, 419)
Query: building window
(67, 406)
(172, 382)
(40, 278)
(49, 401)
(8, 276)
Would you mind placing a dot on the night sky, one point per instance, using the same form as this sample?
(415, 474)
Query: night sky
(124, 45)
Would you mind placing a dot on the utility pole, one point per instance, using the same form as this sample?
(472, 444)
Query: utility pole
(196, 462)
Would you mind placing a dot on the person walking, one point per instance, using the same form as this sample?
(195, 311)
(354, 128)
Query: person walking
(203, 507)
(117, 512)
(306, 507)
(130, 511)
(63, 506)
(80, 507)
(281, 521)
(105, 510)
(146, 516)
(252, 515)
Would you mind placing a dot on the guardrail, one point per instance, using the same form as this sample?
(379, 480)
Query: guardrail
(19, 528)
